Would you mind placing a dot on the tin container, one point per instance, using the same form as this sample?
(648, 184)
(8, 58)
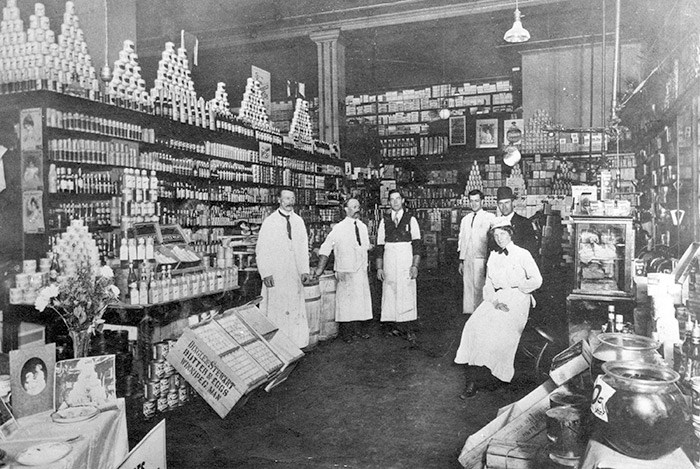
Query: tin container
(173, 400)
(162, 404)
(159, 350)
(151, 390)
(174, 382)
(156, 369)
(164, 385)
(168, 368)
(149, 408)
(183, 395)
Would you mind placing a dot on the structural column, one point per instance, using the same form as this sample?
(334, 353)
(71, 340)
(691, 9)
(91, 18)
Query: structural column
(331, 84)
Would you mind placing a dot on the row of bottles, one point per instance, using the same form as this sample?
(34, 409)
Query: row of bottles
(162, 287)
(67, 181)
(98, 125)
(95, 214)
(137, 252)
(76, 150)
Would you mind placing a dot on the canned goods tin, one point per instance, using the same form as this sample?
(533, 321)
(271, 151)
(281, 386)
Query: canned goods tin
(164, 386)
(159, 350)
(173, 400)
(162, 404)
(152, 390)
(174, 382)
(168, 368)
(155, 369)
(183, 395)
(149, 408)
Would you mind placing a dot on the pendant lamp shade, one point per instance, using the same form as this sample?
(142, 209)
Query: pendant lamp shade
(517, 33)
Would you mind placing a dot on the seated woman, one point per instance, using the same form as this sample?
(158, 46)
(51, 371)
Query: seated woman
(491, 334)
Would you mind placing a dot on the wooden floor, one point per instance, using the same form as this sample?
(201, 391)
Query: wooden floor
(375, 403)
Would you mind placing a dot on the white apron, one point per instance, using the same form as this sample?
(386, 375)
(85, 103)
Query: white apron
(284, 304)
(399, 289)
(490, 337)
(352, 297)
(473, 279)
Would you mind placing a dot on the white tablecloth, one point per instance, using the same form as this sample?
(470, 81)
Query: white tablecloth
(104, 443)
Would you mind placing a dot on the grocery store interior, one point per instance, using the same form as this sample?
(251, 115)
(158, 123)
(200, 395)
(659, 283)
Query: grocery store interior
(362, 234)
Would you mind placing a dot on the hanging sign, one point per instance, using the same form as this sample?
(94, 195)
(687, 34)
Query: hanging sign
(263, 76)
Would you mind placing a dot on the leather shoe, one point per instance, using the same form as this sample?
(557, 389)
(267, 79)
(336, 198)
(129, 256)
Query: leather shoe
(469, 391)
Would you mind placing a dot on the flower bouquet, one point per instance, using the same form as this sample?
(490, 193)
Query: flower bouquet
(80, 300)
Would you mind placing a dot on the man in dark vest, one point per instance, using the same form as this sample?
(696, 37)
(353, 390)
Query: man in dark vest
(398, 257)
(523, 233)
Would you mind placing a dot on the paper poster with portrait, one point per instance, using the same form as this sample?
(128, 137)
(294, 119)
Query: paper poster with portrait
(30, 130)
(32, 171)
(31, 379)
(88, 381)
(487, 133)
(33, 212)
(513, 132)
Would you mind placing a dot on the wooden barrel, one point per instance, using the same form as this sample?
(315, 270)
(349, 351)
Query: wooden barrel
(329, 328)
(312, 294)
(250, 283)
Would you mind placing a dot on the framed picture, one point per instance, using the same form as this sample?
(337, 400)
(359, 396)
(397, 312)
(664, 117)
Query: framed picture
(487, 133)
(85, 381)
(458, 130)
(31, 379)
(30, 129)
(32, 171)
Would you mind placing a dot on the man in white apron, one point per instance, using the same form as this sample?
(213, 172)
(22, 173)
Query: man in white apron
(398, 257)
(473, 250)
(491, 335)
(349, 241)
(282, 254)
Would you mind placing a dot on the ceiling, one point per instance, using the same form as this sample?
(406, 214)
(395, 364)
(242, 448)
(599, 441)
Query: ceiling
(432, 41)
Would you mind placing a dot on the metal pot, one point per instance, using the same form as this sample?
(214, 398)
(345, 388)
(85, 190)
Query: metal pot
(641, 411)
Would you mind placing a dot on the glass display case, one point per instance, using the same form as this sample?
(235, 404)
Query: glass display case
(603, 250)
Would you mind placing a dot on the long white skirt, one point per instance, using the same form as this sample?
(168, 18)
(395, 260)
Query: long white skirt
(490, 337)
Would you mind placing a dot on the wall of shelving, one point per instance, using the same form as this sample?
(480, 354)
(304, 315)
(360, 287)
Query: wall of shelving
(115, 167)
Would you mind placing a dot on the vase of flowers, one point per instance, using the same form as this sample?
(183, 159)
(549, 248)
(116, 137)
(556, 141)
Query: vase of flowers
(80, 300)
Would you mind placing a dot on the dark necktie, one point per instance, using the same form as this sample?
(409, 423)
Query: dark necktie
(357, 235)
(473, 218)
(289, 225)
(503, 251)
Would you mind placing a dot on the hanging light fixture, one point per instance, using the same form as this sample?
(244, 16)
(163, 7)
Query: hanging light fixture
(105, 72)
(517, 33)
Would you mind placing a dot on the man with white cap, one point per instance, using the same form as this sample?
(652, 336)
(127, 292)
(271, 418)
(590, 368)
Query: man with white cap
(523, 233)
(491, 335)
(473, 250)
